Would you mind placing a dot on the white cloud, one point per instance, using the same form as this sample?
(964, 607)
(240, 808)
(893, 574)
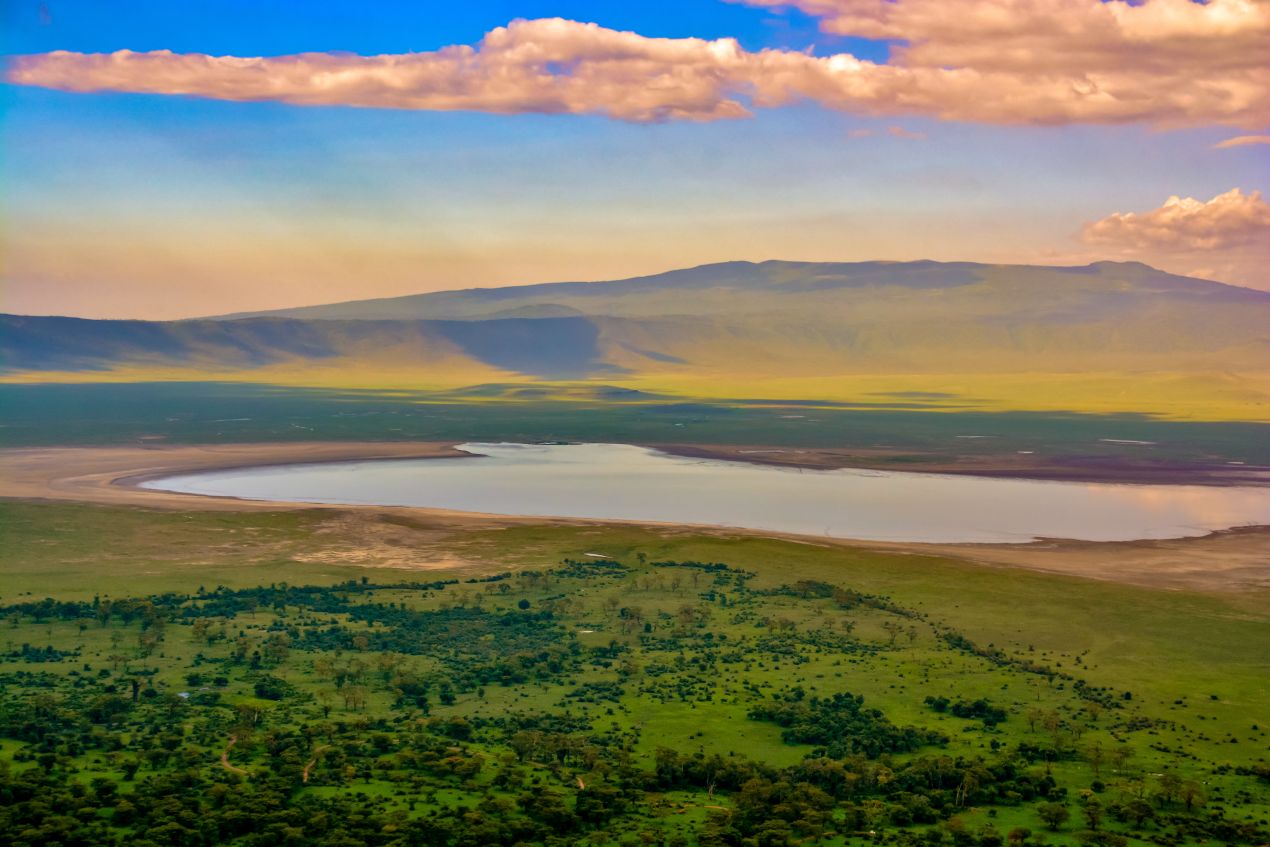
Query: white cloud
(1168, 62)
(547, 66)
(1164, 62)
(1184, 224)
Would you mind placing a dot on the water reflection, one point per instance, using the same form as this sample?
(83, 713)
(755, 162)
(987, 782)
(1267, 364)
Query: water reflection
(617, 481)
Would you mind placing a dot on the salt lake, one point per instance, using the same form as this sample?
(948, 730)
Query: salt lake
(625, 482)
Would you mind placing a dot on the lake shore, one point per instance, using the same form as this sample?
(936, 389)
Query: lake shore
(113, 474)
(1091, 468)
(1229, 560)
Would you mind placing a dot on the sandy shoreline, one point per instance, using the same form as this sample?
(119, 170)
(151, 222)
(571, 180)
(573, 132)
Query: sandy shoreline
(1237, 559)
(112, 475)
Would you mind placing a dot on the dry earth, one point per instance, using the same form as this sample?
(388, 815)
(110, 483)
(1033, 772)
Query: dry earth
(1016, 465)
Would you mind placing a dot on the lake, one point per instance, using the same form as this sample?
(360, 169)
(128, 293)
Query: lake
(624, 482)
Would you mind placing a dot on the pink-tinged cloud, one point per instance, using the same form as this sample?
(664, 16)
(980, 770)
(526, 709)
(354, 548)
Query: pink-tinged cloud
(1182, 224)
(1167, 62)
(1006, 62)
(1242, 141)
(1061, 36)
(547, 66)
(901, 132)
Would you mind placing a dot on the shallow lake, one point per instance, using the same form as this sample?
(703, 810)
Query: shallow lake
(619, 481)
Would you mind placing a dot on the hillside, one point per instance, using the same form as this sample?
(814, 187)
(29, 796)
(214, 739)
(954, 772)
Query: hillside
(1108, 336)
(558, 347)
(799, 286)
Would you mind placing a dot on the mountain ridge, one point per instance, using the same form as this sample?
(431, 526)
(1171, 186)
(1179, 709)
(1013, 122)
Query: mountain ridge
(1116, 336)
(865, 274)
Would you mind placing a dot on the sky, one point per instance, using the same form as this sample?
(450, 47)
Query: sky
(165, 160)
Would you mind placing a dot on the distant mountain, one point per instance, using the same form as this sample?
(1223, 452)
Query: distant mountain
(738, 323)
(546, 347)
(798, 285)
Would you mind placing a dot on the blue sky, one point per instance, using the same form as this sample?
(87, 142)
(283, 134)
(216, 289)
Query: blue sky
(126, 204)
(260, 27)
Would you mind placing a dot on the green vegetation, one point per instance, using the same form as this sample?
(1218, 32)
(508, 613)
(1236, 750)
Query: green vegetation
(604, 687)
(209, 413)
(1104, 338)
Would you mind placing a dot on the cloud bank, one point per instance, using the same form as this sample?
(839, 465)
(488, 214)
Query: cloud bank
(1184, 224)
(1163, 62)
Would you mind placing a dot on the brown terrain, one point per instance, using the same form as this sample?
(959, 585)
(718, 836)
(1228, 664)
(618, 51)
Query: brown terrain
(1015, 465)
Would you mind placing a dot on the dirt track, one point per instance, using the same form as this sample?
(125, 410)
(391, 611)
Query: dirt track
(308, 769)
(224, 757)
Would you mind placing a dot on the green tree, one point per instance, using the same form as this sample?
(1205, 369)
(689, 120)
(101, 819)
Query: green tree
(1093, 811)
(1053, 815)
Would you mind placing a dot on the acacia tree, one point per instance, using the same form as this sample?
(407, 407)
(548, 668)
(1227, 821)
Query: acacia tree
(1093, 811)
(1053, 815)
(1191, 794)
(1096, 756)
(354, 697)
(1170, 786)
(1121, 756)
(1139, 811)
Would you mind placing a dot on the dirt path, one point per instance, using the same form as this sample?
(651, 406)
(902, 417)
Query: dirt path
(309, 767)
(224, 757)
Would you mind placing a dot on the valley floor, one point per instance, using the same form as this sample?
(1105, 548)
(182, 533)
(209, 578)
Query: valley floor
(1235, 560)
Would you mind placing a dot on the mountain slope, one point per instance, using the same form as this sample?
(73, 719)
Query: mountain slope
(548, 347)
(731, 287)
(1114, 335)
(790, 318)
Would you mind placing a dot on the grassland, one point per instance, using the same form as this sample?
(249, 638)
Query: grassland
(260, 676)
(518, 699)
(912, 428)
(1166, 395)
